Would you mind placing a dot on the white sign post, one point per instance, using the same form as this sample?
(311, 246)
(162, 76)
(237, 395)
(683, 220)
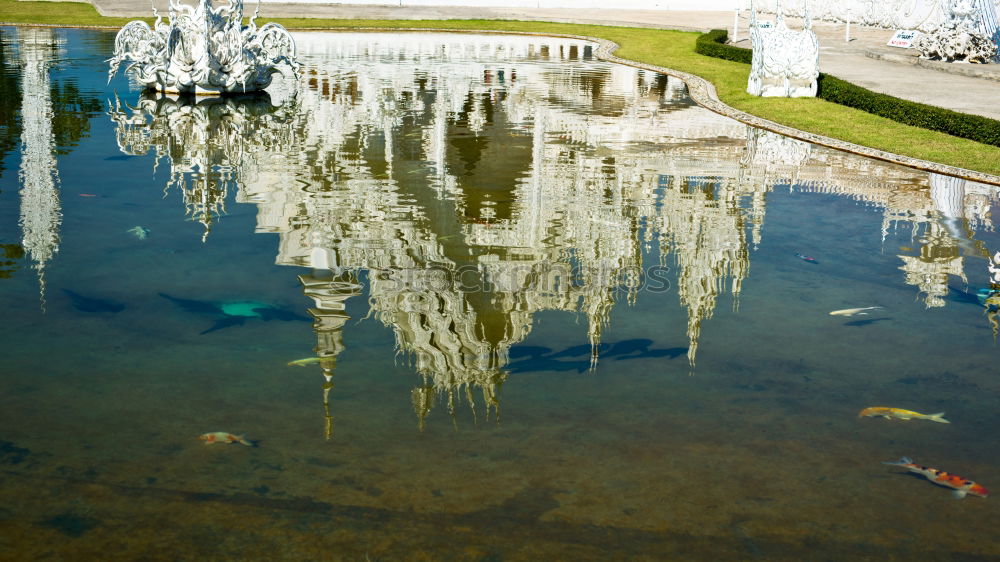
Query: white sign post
(736, 22)
(903, 38)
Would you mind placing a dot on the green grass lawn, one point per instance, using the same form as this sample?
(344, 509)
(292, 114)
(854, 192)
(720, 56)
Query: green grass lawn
(56, 13)
(671, 49)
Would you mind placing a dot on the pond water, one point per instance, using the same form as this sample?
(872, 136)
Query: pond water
(546, 307)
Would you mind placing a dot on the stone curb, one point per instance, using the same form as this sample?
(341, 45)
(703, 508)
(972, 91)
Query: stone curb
(701, 91)
(971, 70)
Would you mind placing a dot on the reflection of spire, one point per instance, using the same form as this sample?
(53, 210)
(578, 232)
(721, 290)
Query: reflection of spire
(40, 209)
(939, 257)
(704, 228)
(453, 348)
(329, 295)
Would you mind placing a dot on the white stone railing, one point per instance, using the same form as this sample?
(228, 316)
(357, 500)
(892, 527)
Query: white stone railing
(685, 5)
(923, 15)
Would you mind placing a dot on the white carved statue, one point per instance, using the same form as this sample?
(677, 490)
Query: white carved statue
(204, 50)
(961, 36)
(785, 62)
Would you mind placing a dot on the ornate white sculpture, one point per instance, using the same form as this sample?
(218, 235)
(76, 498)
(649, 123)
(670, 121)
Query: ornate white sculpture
(960, 37)
(785, 62)
(204, 50)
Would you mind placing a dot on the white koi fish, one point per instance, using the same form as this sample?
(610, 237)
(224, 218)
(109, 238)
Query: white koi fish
(303, 362)
(853, 311)
(140, 232)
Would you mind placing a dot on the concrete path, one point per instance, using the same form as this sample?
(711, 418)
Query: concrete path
(865, 60)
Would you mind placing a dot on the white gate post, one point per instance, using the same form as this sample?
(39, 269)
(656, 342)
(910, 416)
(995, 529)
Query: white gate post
(847, 29)
(736, 22)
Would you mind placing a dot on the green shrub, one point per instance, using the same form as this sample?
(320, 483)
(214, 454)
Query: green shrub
(973, 127)
(713, 44)
(833, 89)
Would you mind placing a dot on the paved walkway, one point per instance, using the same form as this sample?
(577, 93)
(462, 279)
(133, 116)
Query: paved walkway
(865, 60)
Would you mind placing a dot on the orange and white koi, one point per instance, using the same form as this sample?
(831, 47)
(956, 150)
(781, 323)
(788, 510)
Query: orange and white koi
(223, 437)
(962, 486)
(901, 414)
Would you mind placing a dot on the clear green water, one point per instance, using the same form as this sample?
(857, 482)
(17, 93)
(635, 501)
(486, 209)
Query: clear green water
(452, 223)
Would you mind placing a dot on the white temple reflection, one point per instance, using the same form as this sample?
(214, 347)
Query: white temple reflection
(40, 207)
(479, 180)
(942, 213)
(206, 142)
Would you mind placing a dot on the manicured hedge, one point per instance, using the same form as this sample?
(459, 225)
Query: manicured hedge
(973, 127)
(833, 89)
(713, 44)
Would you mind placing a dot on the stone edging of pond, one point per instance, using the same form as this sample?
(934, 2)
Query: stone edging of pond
(701, 91)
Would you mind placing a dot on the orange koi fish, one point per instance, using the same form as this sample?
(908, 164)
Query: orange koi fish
(223, 437)
(901, 414)
(961, 485)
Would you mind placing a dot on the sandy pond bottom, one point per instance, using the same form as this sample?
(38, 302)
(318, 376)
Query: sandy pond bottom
(137, 346)
(727, 464)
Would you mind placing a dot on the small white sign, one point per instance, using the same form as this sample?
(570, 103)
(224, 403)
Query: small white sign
(763, 24)
(903, 38)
